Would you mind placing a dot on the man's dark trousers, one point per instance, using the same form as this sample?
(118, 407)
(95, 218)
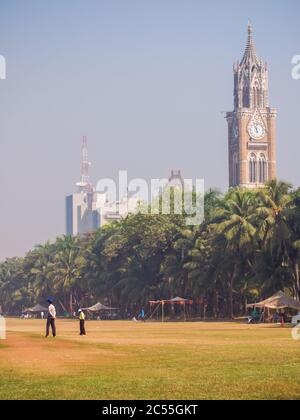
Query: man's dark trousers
(51, 322)
(82, 327)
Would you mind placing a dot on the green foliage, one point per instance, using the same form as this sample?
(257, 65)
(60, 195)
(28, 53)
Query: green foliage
(248, 246)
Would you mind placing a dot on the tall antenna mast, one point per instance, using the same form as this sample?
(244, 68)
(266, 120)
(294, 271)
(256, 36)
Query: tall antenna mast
(84, 186)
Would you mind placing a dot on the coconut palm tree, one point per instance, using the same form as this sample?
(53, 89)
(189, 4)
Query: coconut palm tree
(275, 199)
(39, 264)
(235, 223)
(67, 270)
(280, 227)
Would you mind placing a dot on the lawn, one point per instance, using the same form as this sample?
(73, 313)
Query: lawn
(126, 360)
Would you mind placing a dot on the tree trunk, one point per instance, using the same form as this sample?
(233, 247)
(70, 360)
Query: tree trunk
(204, 311)
(297, 278)
(230, 303)
(62, 305)
(231, 286)
(71, 302)
(216, 303)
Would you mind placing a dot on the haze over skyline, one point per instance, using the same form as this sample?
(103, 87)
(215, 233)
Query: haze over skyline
(148, 84)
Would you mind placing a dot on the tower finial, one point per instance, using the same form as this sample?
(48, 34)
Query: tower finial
(250, 52)
(250, 27)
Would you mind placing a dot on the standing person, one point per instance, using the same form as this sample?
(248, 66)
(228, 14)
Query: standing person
(142, 315)
(82, 322)
(51, 319)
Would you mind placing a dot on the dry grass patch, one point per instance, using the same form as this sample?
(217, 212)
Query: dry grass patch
(126, 360)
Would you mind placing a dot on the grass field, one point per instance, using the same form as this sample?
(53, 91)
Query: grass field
(126, 360)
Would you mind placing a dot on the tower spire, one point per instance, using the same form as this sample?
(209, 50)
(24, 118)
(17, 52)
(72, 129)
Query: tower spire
(250, 78)
(250, 55)
(252, 123)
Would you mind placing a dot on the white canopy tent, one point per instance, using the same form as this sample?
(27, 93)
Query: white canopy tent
(36, 309)
(98, 307)
(278, 301)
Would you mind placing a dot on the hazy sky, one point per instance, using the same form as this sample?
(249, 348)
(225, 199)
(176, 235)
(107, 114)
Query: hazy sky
(146, 81)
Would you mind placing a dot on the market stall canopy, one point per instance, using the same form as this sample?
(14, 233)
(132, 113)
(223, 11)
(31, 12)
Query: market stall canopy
(99, 307)
(278, 301)
(36, 308)
(177, 300)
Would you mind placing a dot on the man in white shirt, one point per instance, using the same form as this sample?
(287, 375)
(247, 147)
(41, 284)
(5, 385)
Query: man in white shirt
(51, 319)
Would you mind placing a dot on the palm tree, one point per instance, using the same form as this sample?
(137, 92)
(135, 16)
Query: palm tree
(15, 292)
(293, 222)
(67, 270)
(248, 245)
(275, 199)
(280, 228)
(39, 265)
(235, 223)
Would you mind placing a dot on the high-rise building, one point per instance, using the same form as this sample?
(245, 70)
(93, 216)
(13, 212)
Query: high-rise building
(252, 123)
(81, 215)
(87, 209)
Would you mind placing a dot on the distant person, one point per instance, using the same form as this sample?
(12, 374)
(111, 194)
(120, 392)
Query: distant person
(42, 315)
(81, 322)
(51, 319)
(142, 315)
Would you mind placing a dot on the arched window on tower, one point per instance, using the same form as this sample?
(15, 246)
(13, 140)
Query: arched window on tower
(256, 93)
(263, 169)
(252, 168)
(246, 101)
(235, 169)
(255, 97)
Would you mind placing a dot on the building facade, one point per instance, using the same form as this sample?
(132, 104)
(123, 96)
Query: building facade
(252, 123)
(81, 214)
(87, 210)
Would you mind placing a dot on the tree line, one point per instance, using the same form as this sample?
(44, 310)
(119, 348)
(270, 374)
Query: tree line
(248, 247)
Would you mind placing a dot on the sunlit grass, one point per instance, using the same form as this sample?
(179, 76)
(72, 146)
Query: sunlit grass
(124, 360)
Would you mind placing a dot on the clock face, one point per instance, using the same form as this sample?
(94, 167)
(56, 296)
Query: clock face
(257, 130)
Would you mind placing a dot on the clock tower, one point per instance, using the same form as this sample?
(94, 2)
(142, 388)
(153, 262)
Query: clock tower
(252, 123)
